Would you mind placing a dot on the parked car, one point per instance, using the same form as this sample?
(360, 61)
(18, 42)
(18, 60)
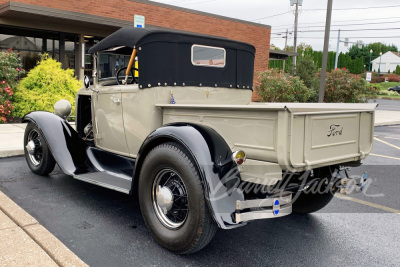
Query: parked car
(181, 133)
(395, 89)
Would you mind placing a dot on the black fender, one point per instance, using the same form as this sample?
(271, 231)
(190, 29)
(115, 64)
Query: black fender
(213, 157)
(68, 149)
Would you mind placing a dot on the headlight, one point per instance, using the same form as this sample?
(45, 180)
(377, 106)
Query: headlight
(63, 108)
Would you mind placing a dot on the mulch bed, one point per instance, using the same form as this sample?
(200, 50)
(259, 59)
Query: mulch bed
(13, 120)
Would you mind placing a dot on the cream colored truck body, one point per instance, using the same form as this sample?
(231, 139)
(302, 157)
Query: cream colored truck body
(275, 136)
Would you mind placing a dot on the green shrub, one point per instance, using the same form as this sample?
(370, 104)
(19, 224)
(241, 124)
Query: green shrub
(343, 87)
(44, 86)
(10, 69)
(397, 71)
(274, 86)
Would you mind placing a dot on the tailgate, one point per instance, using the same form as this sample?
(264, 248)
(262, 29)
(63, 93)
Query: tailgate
(329, 138)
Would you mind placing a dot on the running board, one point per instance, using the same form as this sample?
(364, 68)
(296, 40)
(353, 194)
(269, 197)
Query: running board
(106, 180)
(271, 207)
(108, 170)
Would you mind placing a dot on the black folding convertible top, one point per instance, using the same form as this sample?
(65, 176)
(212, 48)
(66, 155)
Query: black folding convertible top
(135, 37)
(165, 58)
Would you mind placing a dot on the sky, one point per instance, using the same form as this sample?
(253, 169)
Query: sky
(368, 21)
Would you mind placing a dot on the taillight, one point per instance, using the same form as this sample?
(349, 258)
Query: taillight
(239, 157)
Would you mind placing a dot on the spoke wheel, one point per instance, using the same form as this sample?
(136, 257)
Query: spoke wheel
(170, 199)
(37, 153)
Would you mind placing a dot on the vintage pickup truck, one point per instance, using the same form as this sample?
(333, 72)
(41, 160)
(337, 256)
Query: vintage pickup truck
(180, 132)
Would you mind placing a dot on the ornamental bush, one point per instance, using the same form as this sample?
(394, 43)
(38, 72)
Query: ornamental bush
(10, 71)
(397, 70)
(274, 86)
(343, 87)
(44, 85)
(393, 78)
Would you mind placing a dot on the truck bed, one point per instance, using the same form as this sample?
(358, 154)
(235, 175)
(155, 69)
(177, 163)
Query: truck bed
(297, 136)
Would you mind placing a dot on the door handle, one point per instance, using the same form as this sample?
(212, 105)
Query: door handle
(115, 99)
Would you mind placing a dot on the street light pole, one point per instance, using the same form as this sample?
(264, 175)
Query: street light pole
(284, 49)
(296, 19)
(337, 50)
(370, 62)
(379, 69)
(325, 53)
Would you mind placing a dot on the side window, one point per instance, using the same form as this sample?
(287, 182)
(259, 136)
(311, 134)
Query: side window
(208, 56)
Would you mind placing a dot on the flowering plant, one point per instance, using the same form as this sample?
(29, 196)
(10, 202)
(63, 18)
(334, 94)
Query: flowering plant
(274, 86)
(10, 71)
(342, 86)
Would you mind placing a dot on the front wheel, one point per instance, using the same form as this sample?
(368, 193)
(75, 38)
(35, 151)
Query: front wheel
(172, 200)
(37, 153)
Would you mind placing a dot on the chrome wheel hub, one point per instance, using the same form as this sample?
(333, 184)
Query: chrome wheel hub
(30, 147)
(34, 147)
(169, 199)
(165, 199)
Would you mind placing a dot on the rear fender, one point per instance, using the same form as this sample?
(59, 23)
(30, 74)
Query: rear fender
(68, 149)
(213, 157)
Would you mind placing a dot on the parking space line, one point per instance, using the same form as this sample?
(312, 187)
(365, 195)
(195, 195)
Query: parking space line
(383, 156)
(389, 144)
(370, 204)
(387, 137)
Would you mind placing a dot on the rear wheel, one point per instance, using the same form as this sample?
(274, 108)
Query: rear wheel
(37, 153)
(172, 200)
(312, 200)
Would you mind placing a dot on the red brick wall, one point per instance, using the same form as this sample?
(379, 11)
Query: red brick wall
(170, 18)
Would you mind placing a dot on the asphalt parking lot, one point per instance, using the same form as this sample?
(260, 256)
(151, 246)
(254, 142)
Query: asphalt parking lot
(105, 228)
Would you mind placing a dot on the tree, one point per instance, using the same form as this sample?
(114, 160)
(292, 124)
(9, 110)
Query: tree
(397, 71)
(307, 72)
(364, 52)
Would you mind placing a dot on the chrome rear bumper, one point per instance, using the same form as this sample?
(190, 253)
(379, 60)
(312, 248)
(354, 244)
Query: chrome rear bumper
(271, 207)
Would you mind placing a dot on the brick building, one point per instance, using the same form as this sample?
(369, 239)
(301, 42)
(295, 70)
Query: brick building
(66, 29)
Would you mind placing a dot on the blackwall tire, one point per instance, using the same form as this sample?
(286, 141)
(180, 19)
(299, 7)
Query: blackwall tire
(41, 162)
(172, 200)
(313, 200)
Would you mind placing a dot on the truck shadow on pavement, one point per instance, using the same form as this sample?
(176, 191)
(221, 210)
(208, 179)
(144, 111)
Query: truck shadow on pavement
(106, 228)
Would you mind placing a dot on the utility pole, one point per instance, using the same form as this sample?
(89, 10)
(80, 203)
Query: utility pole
(296, 19)
(337, 50)
(325, 53)
(284, 49)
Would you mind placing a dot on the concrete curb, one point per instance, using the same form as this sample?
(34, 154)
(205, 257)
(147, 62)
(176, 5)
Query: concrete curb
(387, 123)
(11, 153)
(21, 227)
(388, 98)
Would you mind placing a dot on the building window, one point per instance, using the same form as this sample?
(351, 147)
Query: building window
(32, 43)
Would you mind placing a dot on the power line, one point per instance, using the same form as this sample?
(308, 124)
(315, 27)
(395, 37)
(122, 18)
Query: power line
(353, 37)
(351, 8)
(322, 9)
(346, 25)
(355, 30)
(322, 22)
(272, 16)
